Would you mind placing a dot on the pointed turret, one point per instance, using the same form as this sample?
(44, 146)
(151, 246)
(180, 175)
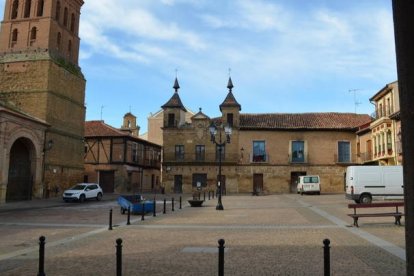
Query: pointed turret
(230, 100)
(174, 101)
(174, 110)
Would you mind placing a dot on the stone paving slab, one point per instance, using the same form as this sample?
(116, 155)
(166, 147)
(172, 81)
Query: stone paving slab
(269, 235)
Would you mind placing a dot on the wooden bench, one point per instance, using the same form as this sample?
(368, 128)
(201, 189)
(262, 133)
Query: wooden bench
(397, 214)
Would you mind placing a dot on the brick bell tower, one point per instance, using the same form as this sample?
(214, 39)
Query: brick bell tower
(39, 74)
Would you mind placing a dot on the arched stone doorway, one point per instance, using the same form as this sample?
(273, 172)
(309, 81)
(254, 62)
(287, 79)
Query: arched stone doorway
(20, 176)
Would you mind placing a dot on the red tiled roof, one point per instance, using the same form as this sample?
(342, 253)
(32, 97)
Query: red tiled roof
(99, 128)
(330, 120)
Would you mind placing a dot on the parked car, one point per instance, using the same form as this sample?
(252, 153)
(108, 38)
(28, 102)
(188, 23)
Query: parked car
(309, 184)
(83, 191)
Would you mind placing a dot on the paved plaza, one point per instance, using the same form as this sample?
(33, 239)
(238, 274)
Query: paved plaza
(264, 235)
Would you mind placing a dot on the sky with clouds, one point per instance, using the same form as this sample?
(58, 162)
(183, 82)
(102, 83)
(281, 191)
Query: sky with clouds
(286, 56)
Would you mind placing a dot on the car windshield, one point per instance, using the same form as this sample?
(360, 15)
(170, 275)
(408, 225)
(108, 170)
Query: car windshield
(78, 187)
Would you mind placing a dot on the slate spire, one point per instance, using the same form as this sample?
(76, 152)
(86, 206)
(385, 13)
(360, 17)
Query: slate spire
(230, 100)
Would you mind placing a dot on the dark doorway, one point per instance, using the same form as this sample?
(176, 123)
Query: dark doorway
(19, 186)
(107, 181)
(294, 181)
(178, 184)
(257, 183)
(222, 183)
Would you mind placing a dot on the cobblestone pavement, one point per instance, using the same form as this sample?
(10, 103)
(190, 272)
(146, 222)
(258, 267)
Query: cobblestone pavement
(264, 235)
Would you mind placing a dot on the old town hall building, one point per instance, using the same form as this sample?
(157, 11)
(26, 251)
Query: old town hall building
(42, 94)
(265, 153)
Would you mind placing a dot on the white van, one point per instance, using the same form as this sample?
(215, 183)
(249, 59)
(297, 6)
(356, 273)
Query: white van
(364, 183)
(309, 184)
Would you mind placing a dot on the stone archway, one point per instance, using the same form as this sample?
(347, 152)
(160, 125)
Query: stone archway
(20, 175)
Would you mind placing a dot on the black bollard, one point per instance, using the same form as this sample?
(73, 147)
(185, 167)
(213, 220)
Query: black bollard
(181, 202)
(143, 211)
(154, 209)
(204, 197)
(129, 216)
(221, 257)
(172, 204)
(165, 206)
(213, 192)
(208, 195)
(326, 258)
(118, 257)
(110, 220)
(41, 256)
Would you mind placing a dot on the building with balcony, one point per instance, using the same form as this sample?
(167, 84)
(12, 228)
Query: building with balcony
(266, 152)
(120, 161)
(386, 126)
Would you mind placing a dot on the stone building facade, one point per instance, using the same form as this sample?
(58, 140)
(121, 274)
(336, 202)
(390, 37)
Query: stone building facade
(266, 152)
(39, 74)
(120, 161)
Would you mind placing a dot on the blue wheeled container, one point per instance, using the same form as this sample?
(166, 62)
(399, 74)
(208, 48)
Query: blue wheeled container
(136, 202)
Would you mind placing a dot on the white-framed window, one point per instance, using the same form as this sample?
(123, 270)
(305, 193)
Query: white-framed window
(298, 151)
(259, 151)
(344, 152)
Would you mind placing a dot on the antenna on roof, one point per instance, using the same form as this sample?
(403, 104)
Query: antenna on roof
(102, 107)
(229, 72)
(356, 103)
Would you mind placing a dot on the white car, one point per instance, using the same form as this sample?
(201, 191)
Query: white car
(83, 191)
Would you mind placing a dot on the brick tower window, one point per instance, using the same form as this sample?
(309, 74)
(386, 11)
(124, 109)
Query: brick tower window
(40, 5)
(72, 23)
(65, 17)
(15, 8)
(33, 34)
(27, 8)
(59, 40)
(70, 48)
(14, 37)
(57, 15)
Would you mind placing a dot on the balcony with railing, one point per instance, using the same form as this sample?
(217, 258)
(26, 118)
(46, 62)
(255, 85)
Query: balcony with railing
(199, 158)
(345, 159)
(365, 157)
(259, 158)
(301, 158)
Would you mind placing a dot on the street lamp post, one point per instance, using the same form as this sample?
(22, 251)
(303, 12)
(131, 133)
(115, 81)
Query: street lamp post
(220, 144)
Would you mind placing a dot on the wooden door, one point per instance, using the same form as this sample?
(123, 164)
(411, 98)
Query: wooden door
(257, 183)
(222, 184)
(19, 186)
(178, 184)
(107, 181)
(294, 181)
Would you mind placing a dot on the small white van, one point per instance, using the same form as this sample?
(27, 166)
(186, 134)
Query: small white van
(309, 184)
(365, 183)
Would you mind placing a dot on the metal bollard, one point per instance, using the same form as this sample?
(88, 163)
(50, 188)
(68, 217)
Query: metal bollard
(213, 192)
(110, 220)
(129, 216)
(181, 202)
(221, 257)
(326, 258)
(41, 256)
(118, 257)
(154, 209)
(143, 211)
(172, 204)
(204, 197)
(208, 195)
(165, 206)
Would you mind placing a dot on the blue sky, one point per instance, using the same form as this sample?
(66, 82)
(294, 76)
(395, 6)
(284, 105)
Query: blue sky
(289, 56)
